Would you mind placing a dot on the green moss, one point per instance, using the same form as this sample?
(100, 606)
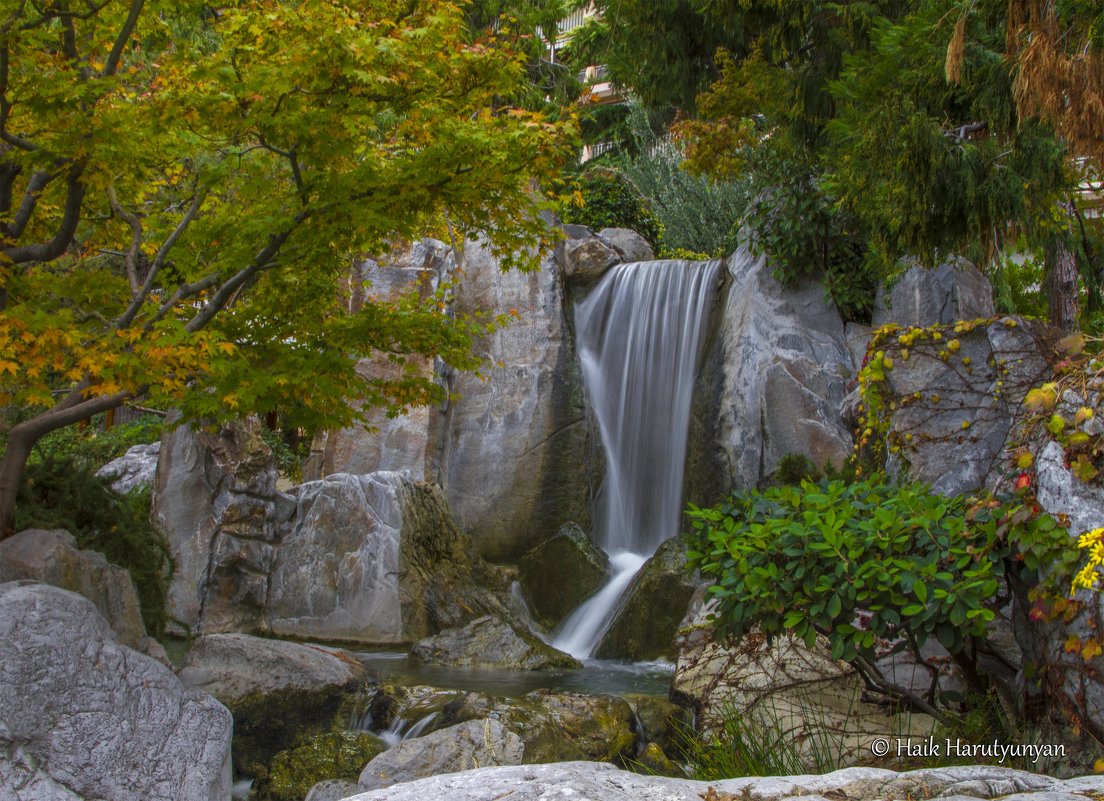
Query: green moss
(333, 755)
(267, 723)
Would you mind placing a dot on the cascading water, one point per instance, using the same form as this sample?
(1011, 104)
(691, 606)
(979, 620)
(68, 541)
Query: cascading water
(640, 333)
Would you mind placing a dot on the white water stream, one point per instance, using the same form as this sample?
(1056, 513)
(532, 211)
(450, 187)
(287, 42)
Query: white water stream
(640, 333)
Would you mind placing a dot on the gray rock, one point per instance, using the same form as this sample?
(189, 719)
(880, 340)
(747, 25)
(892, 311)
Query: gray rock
(776, 376)
(52, 557)
(652, 608)
(135, 468)
(630, 245)
(215, 499)
(858, 337)
(982, 385)
(561, 573)
(337, 574)
(376, 559)
(589, 781)
(477, 743)
(1059, 492)
(81, 712)
(589, 258)
(954, 290)
(233, 666)
(332, 790)
(490, 643)
(516, 451)
(403, 443)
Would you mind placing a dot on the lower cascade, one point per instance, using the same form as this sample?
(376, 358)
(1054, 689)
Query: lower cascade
(640, 334)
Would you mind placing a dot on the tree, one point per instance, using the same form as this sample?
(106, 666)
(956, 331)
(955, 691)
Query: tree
(182, 188)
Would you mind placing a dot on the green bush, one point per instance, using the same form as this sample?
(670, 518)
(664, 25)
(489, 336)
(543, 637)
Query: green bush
(870, 562)
(94, 445)
(611, 200)
(66, 493)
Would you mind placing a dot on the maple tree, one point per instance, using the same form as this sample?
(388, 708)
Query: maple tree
(183, 187)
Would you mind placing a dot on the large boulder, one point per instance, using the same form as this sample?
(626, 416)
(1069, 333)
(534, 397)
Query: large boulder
(134, 469)
(477, 743)
(375, 559)
(278, 692)
(652, 608)
(592, 781)
(560, 573)
(404, 443)
(215, 498)
(52, 557)
(957, 397)
(82, 716)
(800, 694)
(516, 447)
(772, 382)
(489, 642)
(922, 296)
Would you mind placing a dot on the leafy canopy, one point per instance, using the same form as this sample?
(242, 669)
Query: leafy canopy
(182, 190)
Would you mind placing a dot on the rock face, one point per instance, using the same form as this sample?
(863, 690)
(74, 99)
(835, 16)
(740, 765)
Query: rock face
(515, 451)
(561, 573)
(375, 559)
(491, 643)
(590, 781)
(803, 694)
(773, 382)
(215, 498)
(277, 691)
(406, 443)
(980, 385)
(52, 557)
(954, 290)
(652, 608)
(82, 716)
(135, 468)
(587, 256)
(477, 743)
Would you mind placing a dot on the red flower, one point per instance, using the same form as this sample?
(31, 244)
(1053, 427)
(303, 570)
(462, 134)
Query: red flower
(1023, 481)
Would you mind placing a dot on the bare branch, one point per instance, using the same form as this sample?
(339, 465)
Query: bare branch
(112, 63)
(183, 292)
(132, 254)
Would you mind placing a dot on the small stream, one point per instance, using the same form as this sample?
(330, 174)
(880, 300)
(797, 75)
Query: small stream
(598, 676)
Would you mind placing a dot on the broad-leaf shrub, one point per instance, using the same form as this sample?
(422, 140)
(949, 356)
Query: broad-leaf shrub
(870, 562)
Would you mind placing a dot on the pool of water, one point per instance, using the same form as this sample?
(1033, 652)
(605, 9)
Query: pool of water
(597, 676)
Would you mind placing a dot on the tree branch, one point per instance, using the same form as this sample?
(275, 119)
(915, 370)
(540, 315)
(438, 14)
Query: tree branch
(47, 251)
(112, 63)
(135, 240)
(34, 189)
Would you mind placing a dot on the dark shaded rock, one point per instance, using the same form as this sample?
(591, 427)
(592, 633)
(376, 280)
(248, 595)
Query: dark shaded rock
(81, 712)
(278, 692)
(652, 608)
(491, 643)
(561, 573)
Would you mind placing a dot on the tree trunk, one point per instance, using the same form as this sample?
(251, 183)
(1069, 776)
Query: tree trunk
(22, 437)
(1061, 283)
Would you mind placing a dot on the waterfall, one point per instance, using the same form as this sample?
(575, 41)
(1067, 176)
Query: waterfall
(639, 334)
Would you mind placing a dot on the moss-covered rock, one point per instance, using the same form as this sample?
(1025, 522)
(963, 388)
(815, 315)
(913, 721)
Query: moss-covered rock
(662, 723)
(652, 608)
(331, 755)
(561, 573)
